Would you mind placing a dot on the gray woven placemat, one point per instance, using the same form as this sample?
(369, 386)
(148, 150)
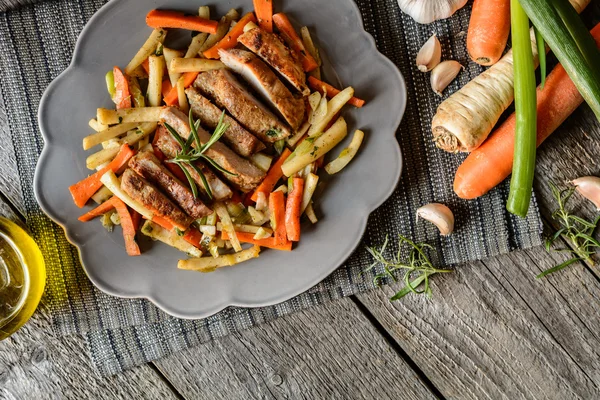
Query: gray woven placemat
(37, 43)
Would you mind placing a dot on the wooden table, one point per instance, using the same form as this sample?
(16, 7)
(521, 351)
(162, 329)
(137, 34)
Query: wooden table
(491, 330)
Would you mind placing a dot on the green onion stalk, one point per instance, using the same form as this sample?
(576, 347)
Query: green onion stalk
(526, 113)
(569, 39)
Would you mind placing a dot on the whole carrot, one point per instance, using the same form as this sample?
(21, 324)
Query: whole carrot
(488, 30)
(492, 162)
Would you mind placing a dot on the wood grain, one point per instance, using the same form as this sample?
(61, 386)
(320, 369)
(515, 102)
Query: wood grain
(35, 364)
(493, 331)
(328, 352)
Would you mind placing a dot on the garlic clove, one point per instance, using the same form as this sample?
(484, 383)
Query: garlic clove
(589, 187)
(427, 11)
(443, 74)
(430, 55)
(439, 215)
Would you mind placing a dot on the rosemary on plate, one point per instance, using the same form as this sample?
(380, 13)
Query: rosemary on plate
(417, 268)
(578, 231)
(189, 153)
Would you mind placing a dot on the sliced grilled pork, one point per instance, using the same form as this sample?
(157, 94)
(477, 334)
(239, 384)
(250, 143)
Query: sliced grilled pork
(170, 148)
(239, 139)
(264, 81)
(227, 92)
(143, 191)
(271, 48)
(246, 175)
(149, 167)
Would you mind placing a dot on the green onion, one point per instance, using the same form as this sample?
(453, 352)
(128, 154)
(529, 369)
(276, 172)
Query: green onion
(110, 83)
(572, 44)
(279, 146)
(525, 109)
(136, 92)
(541, 49)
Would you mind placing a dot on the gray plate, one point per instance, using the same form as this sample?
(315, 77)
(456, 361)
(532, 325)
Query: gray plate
(344, 201)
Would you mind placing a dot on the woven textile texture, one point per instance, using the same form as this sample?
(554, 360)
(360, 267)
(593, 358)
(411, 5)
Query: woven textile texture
(37, 41)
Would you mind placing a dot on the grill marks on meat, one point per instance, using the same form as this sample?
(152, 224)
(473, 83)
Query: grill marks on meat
(170, 148)
(149, 167)
(239, 139)
(227, 92)
(247, 177)
(264, 81)
(271, 48)
(144, 192)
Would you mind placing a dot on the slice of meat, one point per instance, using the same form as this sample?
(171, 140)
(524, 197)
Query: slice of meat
(246, 175)
(227, 92)
(239, 139)
(271, 48)
(143, 191)
(264, 81)
(149, 167)
(170, 148)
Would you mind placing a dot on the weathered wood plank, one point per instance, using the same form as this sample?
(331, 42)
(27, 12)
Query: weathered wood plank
(493, 331)
(325, 352)
(35, 364)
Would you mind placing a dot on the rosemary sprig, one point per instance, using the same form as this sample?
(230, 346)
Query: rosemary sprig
(418, 263)
(193, 150)
(578, 231)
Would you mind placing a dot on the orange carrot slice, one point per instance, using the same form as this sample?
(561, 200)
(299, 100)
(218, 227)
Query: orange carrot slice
(318, 85)
(83, 190)
(98, 211)
(122, 96)
(277, 209)
(231, 39)
(291, 37)
(273, 176)
(264, 14)
(292, 210)
(172, 98)
(269, 243)
(174, 19)
(128, 227)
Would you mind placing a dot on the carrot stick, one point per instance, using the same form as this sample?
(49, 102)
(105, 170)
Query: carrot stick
(264, 13)
(194, 237)
(122, 96)
(290, 35)
(173, 19)
(146, 66)
(165, 223)
(269, 243)
(166, 87)
(273, 176)
(128, 227)
(172, 97)
(83, 190)
(292, 210)
(277, 210)
(98, 211)
(317, 85)
(231, 39)
(489, 27)
(492, 162)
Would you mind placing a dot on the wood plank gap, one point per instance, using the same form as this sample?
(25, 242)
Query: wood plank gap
(166, 381)
(397, 348)
(541, 321)
(15, 210)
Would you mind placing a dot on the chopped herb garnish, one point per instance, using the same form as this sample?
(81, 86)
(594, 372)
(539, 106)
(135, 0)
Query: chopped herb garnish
(120, 119)
(273, 132)
(179, 232)
(190, 154)
(417, 264)
(159, 50)
(315, 148)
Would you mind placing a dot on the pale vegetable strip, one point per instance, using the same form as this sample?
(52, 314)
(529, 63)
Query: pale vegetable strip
(199, 39)
(157, 36)
(111, 181)
(180, 65)
(157, 232)
(346, 155)
(169, 55)
(310, 185)
(521, 184)
(209, 264)
(228, 227)
(183, 101)
(95, 125)
(465, 119)
(143, 114)
(110, 133)
(133, 137)
(333, 107)
(222, 29)
(155, 79)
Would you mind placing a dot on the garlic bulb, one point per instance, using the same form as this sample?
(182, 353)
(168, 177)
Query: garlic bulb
(430, 55)
(443, 74)
(439, 215)
(427, 11)
(589, 187)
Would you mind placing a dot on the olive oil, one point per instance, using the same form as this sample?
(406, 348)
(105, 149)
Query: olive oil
(22, 277)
